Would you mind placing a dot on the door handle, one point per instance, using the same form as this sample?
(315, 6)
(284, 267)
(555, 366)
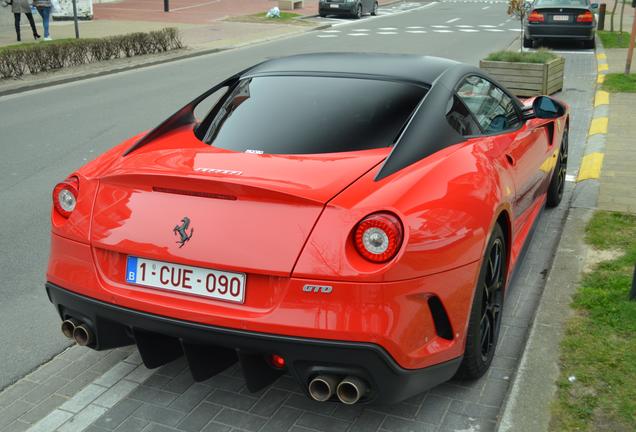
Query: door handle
(510, 159)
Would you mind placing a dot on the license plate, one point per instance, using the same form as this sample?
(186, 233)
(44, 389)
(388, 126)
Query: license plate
(560, 18)
(334, 6)
(198, 281)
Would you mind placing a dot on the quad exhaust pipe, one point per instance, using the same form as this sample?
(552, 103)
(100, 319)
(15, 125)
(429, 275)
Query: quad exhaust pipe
(349, 390)
(81, 333)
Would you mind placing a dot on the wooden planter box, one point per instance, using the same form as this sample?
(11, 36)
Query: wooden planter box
(527, 79)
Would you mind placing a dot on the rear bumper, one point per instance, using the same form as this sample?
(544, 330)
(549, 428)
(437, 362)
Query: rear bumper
(548, 31)
(305, 357)
(342, 9)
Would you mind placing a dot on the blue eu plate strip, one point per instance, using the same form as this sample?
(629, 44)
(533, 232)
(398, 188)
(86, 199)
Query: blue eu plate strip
(131, 269)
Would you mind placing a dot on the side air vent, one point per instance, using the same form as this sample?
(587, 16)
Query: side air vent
(440, 319)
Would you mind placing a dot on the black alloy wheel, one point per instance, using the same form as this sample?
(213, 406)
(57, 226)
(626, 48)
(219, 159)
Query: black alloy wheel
(485, 315)
(374, 12)
(358, 12)
(557, 183)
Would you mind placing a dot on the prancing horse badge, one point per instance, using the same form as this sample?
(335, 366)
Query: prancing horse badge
(182, 231)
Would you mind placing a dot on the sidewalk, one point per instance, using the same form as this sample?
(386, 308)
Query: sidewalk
(618, 174)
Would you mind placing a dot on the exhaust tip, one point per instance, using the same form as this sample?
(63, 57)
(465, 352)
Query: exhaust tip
(83, 335)
(350, 390)
(68, 327)
(322, 387)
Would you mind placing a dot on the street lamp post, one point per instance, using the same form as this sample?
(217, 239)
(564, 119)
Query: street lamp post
(75, 19)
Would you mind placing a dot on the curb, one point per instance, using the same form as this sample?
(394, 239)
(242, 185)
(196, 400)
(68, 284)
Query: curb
(587, 180)
(528, 405)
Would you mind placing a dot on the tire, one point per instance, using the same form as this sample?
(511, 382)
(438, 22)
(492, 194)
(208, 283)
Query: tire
(358, 14)
(589, 44)
(528, 43)
(485, 315)
(322, 15)
(374, 11)
(557, 182)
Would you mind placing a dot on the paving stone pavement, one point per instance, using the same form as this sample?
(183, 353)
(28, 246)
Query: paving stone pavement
(83, 390)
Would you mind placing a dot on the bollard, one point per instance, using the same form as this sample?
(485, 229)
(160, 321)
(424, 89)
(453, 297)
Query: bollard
(632, 293)
(601, 16)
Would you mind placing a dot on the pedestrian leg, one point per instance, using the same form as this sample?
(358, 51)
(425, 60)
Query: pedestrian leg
(16, 20)
(36, 36)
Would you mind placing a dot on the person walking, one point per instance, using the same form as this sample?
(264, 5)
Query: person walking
(19, 7)
(44, 9)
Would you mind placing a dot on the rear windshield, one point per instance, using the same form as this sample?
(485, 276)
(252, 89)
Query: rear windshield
(561, 3)
(300, 115)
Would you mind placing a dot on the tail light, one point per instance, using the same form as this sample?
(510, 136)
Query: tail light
(65, 196)
(535, 17)
(378, 237)
(585, 17)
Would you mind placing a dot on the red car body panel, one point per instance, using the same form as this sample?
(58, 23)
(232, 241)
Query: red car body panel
(286, 221)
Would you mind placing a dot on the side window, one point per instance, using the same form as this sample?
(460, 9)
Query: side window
(494, 110)
(460, 118)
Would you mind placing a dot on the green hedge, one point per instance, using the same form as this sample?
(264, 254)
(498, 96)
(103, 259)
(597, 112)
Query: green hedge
(34, 58)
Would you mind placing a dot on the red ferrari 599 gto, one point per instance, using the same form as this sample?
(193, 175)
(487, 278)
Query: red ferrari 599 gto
(351, 219)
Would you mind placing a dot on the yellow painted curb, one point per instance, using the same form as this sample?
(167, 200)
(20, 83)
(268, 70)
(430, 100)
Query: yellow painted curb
(602, 67)
(590, 167)
(598, 126)
(601, 56)
(600, 79)
(602, 97)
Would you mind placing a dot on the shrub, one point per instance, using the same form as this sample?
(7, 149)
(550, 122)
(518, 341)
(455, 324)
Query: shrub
(16, 60)
(539, 56)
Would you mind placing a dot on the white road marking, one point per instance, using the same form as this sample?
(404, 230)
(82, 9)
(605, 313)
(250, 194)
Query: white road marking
(487, 26)
(443, 31)
(415, 27)
(416, 31)
(331, 31)
(452, 20)
(469, 30)
(518, 30)
(328, 36)
(357, 34)
(440, 26)
(485, 7)
(493, 30)
(387, 28)
(387, 32)
(360, 30)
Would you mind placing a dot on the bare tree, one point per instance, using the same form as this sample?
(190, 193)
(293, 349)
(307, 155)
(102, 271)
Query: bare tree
(612, 17)
(517, 9)
(620, 28)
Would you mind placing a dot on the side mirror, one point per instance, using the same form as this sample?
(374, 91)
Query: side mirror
(545, 107)
(594, 6)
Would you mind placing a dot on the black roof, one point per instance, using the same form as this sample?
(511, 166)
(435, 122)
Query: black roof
(403, 67)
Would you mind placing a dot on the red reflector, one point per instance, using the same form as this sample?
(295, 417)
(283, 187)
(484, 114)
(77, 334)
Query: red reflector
(585, 17)
(535, 17)
(277, 361)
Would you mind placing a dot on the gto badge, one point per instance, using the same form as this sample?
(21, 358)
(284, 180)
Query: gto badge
(325, 289)
(182, 231)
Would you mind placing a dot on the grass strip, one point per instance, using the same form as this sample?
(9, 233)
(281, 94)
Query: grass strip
(596, 389)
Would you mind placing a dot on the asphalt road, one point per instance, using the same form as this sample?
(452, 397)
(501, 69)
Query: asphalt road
(45, 134)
